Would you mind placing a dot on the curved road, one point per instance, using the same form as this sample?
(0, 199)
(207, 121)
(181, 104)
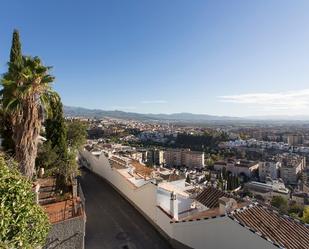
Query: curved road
(112, 222)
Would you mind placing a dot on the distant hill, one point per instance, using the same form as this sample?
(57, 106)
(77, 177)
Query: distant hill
(180, 117)
(189, 117)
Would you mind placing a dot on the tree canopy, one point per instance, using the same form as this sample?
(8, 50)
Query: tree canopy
(281, 203)
(6, 119)
(25, 98)
(77, 134)
(54, 154)
(306, 215)
(55, 127)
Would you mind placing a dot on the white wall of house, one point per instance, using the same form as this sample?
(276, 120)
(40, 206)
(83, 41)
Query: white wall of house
(143, 197)
(163, 200)
(234, 169)
(217, 233)
(221, 232)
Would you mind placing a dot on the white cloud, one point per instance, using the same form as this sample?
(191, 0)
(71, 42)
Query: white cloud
(281, 102)
(154, 102)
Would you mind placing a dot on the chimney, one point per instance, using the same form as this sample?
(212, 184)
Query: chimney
(226, 205)
(174, 206)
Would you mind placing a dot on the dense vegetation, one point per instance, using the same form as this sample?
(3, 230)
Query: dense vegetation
(77, 134)
(57, 155)
(227, 180)
(25, 98)
(27, 103)
(23, 224)
(203, 142)
(291, 208)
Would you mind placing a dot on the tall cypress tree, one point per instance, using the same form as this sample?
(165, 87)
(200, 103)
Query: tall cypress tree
(56, 134)
(15, 60)
(55, 127)
(15, 53)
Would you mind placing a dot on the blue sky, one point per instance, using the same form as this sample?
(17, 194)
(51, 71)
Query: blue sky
(223, 57)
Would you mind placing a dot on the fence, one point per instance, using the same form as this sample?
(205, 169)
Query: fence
(74, 207)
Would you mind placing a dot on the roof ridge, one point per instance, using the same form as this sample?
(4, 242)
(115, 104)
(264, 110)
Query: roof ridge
(284, 216)
(259, 228)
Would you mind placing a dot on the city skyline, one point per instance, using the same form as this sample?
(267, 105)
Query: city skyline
(211, 57)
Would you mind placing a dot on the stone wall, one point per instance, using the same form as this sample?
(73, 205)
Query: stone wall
(68, 234)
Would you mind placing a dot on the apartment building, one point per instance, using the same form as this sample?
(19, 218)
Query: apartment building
(237, 166)
(158, 157)
(173, 157)
(184, 157)
(291, 168)
(269, 169)
(295, 139)
(155, 157)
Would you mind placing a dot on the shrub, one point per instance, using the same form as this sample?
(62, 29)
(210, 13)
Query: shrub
(280, 203)
(306, 215)
(23, 223)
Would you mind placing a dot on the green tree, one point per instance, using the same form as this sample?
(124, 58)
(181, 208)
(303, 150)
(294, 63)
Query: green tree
(229, 182)
(306, 215)
(23, 223)
(209, 162)
(225, 174)
(281, 203)
(208, 176)
(47, 158)
(77, 134)
(25, 97)
(236, 181)
(64, 165)
(67, 169)
(188, 180)
(6, 119)
(55, 127)
(296, 209)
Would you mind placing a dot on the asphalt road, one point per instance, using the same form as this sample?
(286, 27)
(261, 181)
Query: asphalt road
(112, 222)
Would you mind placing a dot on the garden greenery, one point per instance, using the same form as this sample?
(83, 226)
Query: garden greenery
(23, 223)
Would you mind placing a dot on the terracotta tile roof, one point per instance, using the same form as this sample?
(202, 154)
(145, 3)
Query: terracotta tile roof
(210, 197)
(281, 230)
(202, 215)
(141, 169)
(119, 160)
(175, 177)
(116, 165)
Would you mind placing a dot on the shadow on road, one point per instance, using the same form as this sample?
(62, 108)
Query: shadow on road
(112, 222)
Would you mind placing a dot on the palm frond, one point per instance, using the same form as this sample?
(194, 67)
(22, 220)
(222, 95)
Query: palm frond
(13, 106)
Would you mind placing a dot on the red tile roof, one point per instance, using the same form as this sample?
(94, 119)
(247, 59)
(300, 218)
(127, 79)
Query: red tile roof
(141, 169)
(119, 160)
(281, 230)
(210, 197)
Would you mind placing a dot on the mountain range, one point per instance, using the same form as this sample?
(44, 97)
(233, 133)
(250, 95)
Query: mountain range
(90, 113)
(174, 117)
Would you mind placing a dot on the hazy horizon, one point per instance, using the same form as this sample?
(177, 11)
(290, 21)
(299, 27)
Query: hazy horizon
(254, 117)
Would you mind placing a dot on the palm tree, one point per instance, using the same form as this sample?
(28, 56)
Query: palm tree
(25, 97)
